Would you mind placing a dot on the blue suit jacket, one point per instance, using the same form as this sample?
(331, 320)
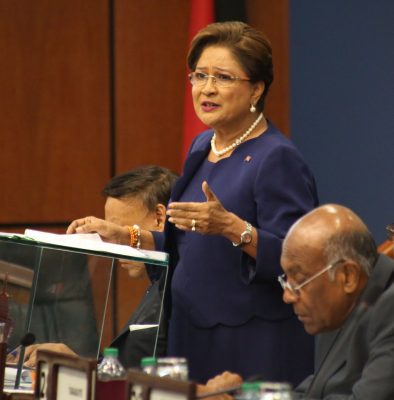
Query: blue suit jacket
(265, 182)
(215, 285)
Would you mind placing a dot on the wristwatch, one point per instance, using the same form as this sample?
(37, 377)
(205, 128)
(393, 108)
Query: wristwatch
(246, 236)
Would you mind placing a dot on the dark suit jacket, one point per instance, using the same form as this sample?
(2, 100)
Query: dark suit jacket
(141, 343)
(358, 359)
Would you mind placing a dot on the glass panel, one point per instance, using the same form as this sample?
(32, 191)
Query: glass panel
(139, 327)
(61, 295)
(63, 307)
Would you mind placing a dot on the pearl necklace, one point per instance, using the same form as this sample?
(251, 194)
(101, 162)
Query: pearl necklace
(236, 142)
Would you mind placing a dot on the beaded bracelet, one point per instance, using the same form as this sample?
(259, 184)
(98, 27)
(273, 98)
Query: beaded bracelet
(135, 236)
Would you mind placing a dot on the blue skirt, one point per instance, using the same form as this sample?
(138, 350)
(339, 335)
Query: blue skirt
(270, 350)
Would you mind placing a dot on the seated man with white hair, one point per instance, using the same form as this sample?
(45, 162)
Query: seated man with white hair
(341, 290)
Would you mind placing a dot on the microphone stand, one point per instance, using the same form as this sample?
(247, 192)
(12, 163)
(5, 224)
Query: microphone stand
(27, 340)
(3, 352)
(20, 367)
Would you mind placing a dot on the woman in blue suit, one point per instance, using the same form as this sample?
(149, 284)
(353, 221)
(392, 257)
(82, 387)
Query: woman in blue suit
(243, 185)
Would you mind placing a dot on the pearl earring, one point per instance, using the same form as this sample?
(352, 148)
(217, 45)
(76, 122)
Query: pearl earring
(252, 108)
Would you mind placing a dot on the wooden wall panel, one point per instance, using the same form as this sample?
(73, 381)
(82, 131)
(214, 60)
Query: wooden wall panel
(272, 18)
(150, 72)
(54, 120)
(151, 46)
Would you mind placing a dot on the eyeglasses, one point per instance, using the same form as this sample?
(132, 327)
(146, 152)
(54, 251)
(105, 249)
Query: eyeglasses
(295, 290)
(220, 80)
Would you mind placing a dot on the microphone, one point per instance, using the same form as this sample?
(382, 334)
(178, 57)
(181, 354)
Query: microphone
(26, 340)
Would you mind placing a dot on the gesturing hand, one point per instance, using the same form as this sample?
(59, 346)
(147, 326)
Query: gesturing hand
(208, 217)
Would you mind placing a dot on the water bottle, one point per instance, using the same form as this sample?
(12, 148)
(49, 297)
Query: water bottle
(111, 377)
(249, 391)
(173, 367)
(275, 391)
(149, 365)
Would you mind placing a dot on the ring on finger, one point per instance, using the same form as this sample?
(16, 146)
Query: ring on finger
(193, 225)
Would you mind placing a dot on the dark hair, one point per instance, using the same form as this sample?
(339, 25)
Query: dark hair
(151, 183)
(358, 246)
(251, 48)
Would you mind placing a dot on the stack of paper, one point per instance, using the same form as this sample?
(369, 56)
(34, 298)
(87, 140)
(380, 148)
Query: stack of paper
(87, 241)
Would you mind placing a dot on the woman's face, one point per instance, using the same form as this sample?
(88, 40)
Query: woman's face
(224, 108)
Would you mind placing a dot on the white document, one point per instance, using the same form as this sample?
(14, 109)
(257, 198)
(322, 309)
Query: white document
(138, 327)
(93, 242)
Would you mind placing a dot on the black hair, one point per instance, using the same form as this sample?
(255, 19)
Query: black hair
(151, 183)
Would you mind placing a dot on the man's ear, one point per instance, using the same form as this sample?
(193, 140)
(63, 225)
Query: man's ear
(160, 212)
(351, 276)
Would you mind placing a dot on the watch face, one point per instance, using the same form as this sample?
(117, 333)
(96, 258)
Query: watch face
(246, 237)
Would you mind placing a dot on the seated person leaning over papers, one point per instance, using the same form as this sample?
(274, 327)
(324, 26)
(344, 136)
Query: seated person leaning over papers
(137, 197)
(343, 290)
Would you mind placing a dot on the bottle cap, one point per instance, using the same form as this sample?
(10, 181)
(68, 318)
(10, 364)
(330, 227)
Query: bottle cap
(250, 386)
(111, 351)
(148, 361)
